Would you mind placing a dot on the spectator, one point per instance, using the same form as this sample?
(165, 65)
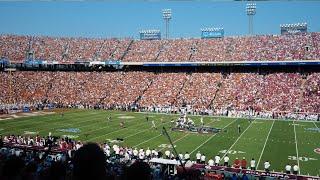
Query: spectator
(243, 163)
(89, 163)
(236, 163)
(296, 169)
(288, 169)
(138, 170)
(253, 164)
(267, 166)
(226, 160)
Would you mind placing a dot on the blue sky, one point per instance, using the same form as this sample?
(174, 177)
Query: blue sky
(125, 18)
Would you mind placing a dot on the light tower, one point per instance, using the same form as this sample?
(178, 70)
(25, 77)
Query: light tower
(166, 14)
(251, 11)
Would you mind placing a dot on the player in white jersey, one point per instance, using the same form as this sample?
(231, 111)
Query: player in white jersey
(198, 157)
(141, 155)
(253, 164)
(226, 160)
(148, 153)
(288, 168)
(295, 169)
(267, 166)
(180, 156)
(203, 159)
(167, 153)
(187, 156)
(135, 153)
(211, 162)
(217, 160)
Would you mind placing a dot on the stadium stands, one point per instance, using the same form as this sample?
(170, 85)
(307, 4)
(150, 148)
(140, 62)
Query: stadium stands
(281, 93)
(256, 48)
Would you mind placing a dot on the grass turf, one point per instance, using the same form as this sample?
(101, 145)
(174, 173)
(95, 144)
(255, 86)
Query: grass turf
(280, 142)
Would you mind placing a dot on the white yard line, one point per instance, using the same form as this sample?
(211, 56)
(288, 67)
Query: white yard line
(147, 140)
(141, 131)
(236, 141)
(188, 134)
(211, 137)
(265, 143)
(48, 127)
(315, 124)
(176, 141)
(104, 127)
(44, 120)
(295, 139)
(96, 137)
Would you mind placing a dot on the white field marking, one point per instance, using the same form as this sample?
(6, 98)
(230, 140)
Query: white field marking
(265, 143)
(147, 140)
(141, 132)
(295, 139)
(126, 117)
(185, 135)
(315, 124)
(120, 114)
(45, 118)
(22, 115)
(96, 137)
(188, 134)
(176, 141)
(102, 127)
(211, 137)
(73, 124)
(44, 121)
(45, 128)
(257, 122)
(236, 140)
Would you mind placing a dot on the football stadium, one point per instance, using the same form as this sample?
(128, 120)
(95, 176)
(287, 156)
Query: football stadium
(158, 105)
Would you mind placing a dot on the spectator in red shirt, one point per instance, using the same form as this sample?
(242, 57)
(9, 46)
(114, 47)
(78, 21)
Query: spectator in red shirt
(243, 163)
(236, 163)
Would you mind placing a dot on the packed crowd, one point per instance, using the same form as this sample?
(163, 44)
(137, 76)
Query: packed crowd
(283, 93)
(258, 48)
(49, 157)
(199, 90)
(164, 90)
(63, 50)
(144, 51)
(255, 48)
(273, 92)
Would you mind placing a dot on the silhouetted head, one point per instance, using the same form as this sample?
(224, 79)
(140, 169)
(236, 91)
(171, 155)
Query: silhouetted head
(12, 168)
(139, 170)
(89, 163)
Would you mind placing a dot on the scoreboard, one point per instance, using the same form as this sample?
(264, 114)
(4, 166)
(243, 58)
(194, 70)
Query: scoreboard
(150, 35)
(293, 28)
(208, 33)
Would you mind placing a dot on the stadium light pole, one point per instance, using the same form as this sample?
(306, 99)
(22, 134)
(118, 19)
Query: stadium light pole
(251, 11)
(166, 14)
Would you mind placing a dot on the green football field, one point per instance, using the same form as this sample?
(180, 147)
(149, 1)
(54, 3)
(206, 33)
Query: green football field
(278, 141)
